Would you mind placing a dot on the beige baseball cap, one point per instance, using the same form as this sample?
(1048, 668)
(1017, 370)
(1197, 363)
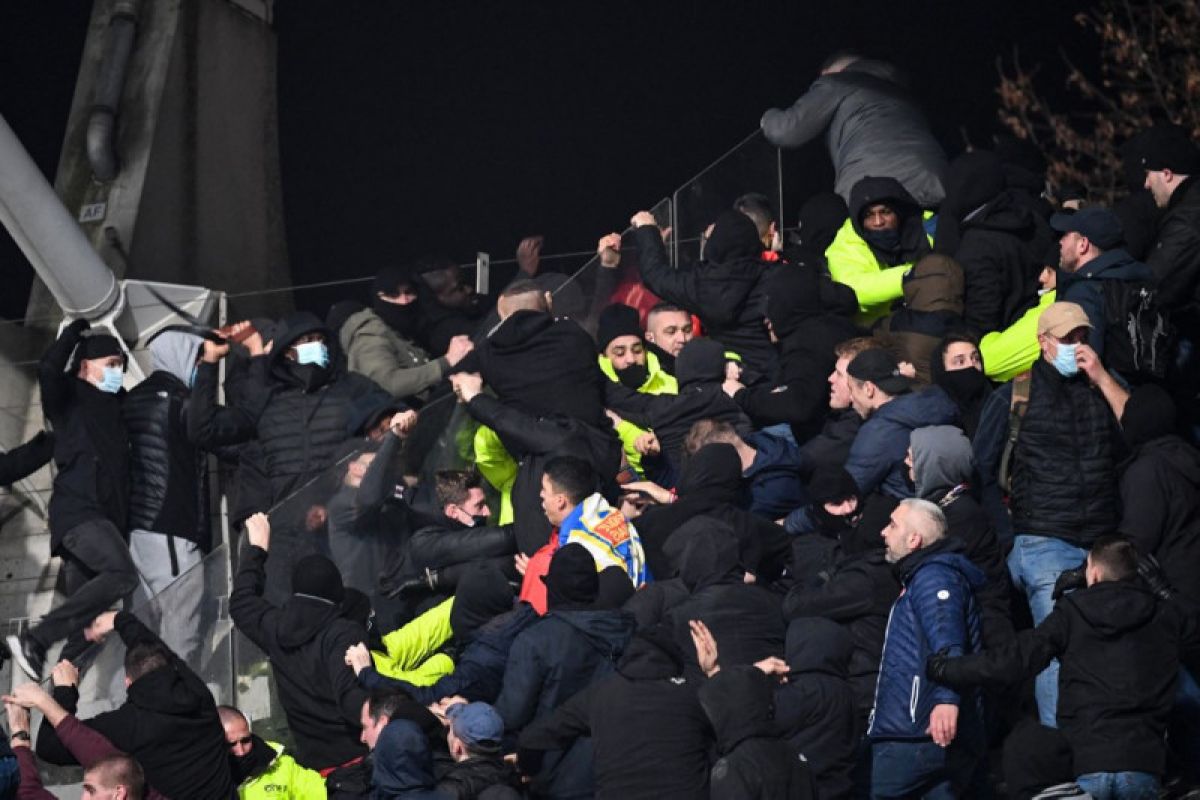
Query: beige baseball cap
(1059, 319)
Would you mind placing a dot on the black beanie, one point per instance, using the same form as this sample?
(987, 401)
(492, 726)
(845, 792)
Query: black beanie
(700, 361)
(483, 592)
(733, 238)
(572, 580)
(1149, 414)
(616, 320)
(615, 588)
(99, 345)
(317, 576)
(831, 484)
(389, 279)
(821, 217)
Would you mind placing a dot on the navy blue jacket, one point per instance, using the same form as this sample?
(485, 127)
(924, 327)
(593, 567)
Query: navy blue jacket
(478, 673)
(936, 611)
(1084, 287)
(876, 460)
(775, 477)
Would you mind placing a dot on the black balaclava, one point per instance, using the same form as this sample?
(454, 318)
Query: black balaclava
(968, 388)
(615, 588)
(821, 217)
(1149, 414)
(833, 484)
(405, 320)
(733, 238)
(253, 763)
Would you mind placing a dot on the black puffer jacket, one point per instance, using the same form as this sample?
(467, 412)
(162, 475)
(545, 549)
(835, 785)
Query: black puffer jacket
(815, 708)
(858, 593)
(756, 762)
(1175, 257)
(1064, 477)
(727, 290)
(91, 446)
(651, 736)
(169, 489)
(306, 640)
(168, 722)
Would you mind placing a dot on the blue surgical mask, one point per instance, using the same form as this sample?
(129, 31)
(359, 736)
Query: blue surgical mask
(312, 353)
(1064, 360)
(111, 382)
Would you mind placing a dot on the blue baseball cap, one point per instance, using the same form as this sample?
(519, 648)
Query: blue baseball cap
(1100, 226)
(478, 725)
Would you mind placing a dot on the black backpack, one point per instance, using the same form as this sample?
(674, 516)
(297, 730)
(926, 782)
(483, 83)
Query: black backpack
(1138, 336)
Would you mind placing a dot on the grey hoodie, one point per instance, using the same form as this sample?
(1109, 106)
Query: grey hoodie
(176, 352)
(942, 459)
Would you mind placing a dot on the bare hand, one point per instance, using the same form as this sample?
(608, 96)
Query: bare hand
(642, 218)
(631, 506)
(1089, 363)
(258, 530)
(213, 352)
(647, 444)
(439, 708)
(520, 563)
(358, 657)
(466, 385)
(27, 695)
(18, 720)
(403, 423)
(943, 724)
(733, 371)
(458, 348)
(609, 250)
(613, 417)
(101, 627)
(773, 665)
(706, 647)
(907, 370)
(657, 493)
(64, 674)
(529, 254)
(732, 387)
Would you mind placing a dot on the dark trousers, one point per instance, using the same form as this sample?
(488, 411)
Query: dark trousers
(98, 571)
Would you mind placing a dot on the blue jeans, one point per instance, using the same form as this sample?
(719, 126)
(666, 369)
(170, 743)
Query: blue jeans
(1035, 564)
(901, 770)
(1119, 785)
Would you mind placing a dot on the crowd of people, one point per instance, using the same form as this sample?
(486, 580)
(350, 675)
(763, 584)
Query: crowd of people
(903, 501)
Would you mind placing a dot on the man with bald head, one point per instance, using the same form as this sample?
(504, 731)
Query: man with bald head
(925, 738)
(260, 767)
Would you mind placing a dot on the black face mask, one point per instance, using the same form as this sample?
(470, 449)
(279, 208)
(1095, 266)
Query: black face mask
(479, 521)
(403, 319)
(310, 375)
(253, 763)
(633, 376)
(888, 241)
(965, 385)
(834, 524)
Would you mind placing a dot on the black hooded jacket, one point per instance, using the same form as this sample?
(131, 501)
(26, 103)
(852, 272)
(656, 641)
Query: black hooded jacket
(1119, 650)
(306, 640)
(756, 762)
(810, 316)
(816, 708)
(91, 446)
(1160, 492)
(857, 593)
(998, 237)
(727, 290)
(913, 243)
(651, 737)
(1175, 256)
(710, 487)
(744, 618)
(168, 722)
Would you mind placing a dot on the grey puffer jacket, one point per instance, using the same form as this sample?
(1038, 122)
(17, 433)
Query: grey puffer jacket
(872, 126)
(373, 349)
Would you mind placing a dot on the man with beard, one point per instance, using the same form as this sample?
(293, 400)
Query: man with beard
(380, 341)
(261, 768)
(624, 359)
(880, 241)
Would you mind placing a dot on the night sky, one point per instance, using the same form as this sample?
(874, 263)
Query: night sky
(412, 127)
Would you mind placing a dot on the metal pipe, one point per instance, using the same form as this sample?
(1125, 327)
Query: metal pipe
(50, 237)
(110, 83)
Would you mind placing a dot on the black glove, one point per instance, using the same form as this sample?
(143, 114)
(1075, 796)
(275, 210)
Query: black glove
(425, 583)
(77, 327)
(1069, 580)
(1152, 574)
(943, 668)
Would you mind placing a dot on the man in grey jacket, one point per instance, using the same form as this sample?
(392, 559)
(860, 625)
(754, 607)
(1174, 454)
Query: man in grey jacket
(872, 126)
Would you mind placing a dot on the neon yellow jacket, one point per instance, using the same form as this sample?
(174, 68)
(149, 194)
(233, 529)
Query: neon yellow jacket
(1010, 352)
(497, 468)
(852, 262)
(284, 780)
(412, 650)
(658, 382)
